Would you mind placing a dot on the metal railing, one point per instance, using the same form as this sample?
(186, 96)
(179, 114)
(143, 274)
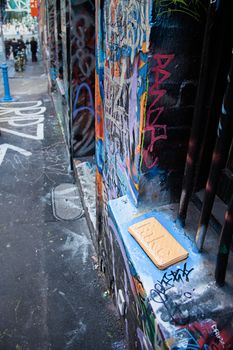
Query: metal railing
(212, 117)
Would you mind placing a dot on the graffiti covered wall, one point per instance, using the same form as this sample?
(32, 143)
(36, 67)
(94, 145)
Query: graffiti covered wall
(70, 57)
(83, 75)
(147, 70)
(122, 43)
(147, 66)
(148, 57)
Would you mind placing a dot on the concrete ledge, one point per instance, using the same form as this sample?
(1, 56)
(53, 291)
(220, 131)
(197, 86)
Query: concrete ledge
(180, 307)
(84, 171)
(60, 86)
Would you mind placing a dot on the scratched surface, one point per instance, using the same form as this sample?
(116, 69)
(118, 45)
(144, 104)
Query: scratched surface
(51, 296)
(180, 307)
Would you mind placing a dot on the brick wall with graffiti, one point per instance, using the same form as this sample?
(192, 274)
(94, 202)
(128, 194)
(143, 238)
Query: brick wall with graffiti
(147, 67)
(82, 42)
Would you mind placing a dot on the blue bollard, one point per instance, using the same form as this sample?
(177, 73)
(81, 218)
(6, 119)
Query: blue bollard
(7, 95)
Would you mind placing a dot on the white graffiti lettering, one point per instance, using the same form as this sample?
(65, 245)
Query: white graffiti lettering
(26, 120)
(23, 114)
(217, 334)
(5, 146)
(133, 20)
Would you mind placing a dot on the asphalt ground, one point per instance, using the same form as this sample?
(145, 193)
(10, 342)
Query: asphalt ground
(52, 295)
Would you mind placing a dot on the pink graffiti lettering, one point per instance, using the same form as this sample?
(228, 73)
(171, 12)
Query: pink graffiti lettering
(156, 130)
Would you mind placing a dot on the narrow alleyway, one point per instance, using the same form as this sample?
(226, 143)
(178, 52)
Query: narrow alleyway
(51, 294)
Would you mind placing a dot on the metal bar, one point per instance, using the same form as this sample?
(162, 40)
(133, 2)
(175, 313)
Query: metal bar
(224, 246)
(219, 158)
(196, 124)
(216, 58)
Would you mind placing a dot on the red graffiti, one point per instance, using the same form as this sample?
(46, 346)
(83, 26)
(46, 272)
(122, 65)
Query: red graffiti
(156, 130)
(210, 335)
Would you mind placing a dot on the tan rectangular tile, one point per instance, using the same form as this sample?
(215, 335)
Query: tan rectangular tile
(162, 248)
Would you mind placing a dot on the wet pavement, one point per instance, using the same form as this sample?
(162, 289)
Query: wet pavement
(51, 293)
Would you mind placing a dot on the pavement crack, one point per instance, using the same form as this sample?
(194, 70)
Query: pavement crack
(16, 310)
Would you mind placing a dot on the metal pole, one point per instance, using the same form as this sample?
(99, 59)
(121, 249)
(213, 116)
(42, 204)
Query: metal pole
(223, 142)
(213, 73)
(7, 96)
(195, 134)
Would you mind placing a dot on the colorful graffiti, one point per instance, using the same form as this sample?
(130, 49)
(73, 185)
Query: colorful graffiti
(144, 102)
(147, 62)
(83, 75)
(173, 68)
(186, 7)
(153, 127)
(147, 65)
(176, 309)
(124, 83)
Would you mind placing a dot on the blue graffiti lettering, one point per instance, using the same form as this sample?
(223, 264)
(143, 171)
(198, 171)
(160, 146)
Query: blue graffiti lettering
(88, 97)
(185, 340)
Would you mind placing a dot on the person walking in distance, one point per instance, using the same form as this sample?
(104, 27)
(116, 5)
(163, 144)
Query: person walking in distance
(33, 44)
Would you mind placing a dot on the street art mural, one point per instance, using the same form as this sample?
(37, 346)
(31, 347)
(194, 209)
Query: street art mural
(147, 70)
(146, 73)
(83, 76)
(147, 65)
(173, 66)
